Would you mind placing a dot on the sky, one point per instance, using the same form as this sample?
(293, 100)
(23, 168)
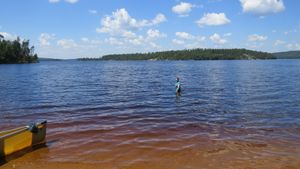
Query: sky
(92, 28)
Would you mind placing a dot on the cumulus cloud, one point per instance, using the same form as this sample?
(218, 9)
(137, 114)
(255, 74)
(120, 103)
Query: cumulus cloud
(262, 7)
(66, 43)
(255, 38)
(213, 19)
(45, 38)
(128, 34)
(8, 36)
(183, 9)
(113, 41)
(292, 46)
(121, 21)
(279, 42)
(178, 42)
(154, 34)
(124, 30)
(184, 35)
(139, 40)
(217, 39)
(188, 40)
(158, 19)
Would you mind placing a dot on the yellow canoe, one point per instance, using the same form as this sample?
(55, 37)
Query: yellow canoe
(21, 138)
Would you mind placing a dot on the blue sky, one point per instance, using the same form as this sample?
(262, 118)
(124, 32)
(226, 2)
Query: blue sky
(92, 28)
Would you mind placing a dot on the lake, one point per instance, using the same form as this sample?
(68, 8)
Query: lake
(125, 114)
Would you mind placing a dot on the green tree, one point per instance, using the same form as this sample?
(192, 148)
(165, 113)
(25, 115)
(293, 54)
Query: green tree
(193, 54)
(16, 51)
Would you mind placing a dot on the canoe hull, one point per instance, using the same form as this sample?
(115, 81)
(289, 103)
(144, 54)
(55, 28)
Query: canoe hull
(21, 138)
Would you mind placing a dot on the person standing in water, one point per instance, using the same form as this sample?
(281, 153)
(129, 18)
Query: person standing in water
(178, 86)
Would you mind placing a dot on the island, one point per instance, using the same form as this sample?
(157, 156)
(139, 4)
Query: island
(190, 54)
(16, 51)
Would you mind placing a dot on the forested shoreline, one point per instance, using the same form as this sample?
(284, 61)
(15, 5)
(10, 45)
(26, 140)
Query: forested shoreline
(191, 54)
(16, 51)
(287, 55)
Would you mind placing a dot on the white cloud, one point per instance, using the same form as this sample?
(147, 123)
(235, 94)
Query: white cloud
(113, 41)
(54, 1)
(158, 19)
(154, 34)
(178, 42)
(292, 46)
(256, 45)
(92, 11)
(201, 38)
(95, 42)
(84, 39)
(45, 38)
(128, 34)
(227, 34)
(66, 43)
(216, 38)
(72, 1)
(8, 36)
(213, 19)
(279, 42)
(136, 41)
(184, 35)
(188, 40)
(255, 37)
(121, 21)
(154, 45)
(194, 45)
(262, 7)
(183, 9)
(88, 43)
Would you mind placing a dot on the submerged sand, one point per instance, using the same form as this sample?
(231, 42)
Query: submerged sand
(177, 153)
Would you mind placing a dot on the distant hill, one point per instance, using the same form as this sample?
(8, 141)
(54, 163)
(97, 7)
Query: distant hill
(193, 54)
(49, 59)
(287, 55)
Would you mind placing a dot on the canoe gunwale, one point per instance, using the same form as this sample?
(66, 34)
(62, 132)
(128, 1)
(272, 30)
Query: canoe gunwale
(13, 132)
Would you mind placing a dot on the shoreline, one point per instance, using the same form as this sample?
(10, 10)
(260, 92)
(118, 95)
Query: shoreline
(192, 153)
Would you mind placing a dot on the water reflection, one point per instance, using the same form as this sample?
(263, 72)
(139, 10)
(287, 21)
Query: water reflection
(127, 113)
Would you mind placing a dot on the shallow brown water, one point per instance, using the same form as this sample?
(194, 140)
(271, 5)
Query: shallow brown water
(178, 148)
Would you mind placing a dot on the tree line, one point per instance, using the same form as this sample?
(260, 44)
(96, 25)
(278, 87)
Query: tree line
(16, 51)
(192, 54)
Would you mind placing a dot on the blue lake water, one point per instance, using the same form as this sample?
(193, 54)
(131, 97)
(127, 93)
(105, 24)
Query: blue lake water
(255, 100)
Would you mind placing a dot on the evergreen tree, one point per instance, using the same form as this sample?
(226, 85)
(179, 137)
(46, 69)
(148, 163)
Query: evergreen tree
(16, 51)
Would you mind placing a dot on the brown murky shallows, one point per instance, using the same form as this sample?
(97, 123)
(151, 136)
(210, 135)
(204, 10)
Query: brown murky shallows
(188, 146)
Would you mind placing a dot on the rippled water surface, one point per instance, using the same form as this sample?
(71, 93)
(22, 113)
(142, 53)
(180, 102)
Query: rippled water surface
(110, 114)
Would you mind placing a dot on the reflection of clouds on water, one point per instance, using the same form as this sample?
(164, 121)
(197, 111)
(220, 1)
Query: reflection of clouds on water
(130, 108)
